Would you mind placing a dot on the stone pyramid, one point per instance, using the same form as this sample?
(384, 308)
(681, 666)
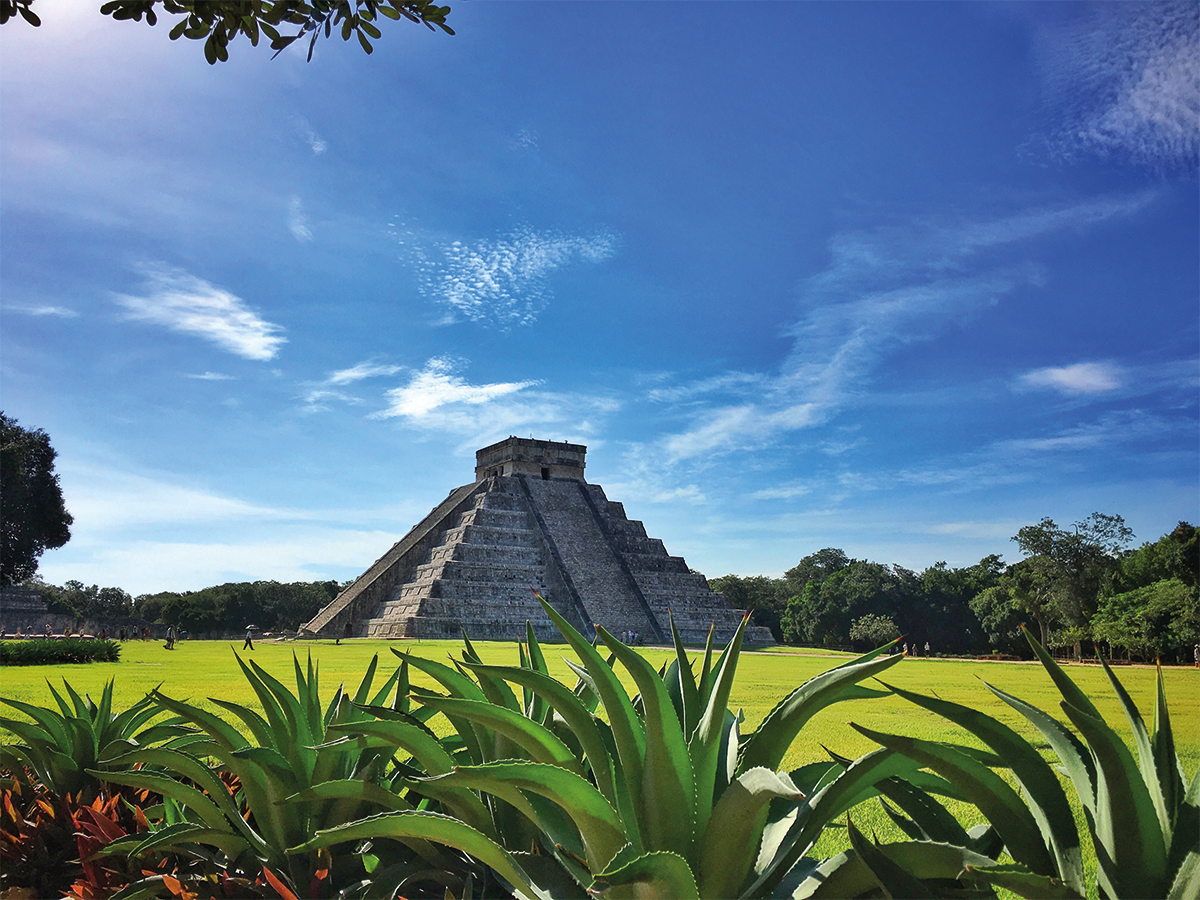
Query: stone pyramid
(530, 520)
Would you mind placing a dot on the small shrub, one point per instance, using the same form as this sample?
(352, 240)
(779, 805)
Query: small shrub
(43, 652)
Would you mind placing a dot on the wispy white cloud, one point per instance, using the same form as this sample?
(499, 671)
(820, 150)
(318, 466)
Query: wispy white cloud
(1080, 378)
(837, 448)
(884, 288)
(318, 399)
(525, 140)
(1109, 431)
(782, 492)
(437, 386)
(61, 312)
(504, 281)
(211, 376)
(181, 302)
(298, 221)
(1124, 80)
(314, 140)
(439, 400)
(717, 384)
(102, 497)
(640, 476)
(319, 395)
(360, 371)
(746, 427)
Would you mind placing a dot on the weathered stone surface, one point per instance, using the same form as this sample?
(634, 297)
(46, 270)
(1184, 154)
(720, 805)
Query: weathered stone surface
(529, 521)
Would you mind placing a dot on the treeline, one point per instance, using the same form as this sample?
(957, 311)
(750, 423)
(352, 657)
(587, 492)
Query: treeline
(1074, 587)
(211, 612)
(229, 608)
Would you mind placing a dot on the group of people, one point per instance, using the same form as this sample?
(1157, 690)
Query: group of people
(131, 634)
(631, 637)
(916, 649)
(125, 634)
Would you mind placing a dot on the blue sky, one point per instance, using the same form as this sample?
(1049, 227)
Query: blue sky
(896, 278)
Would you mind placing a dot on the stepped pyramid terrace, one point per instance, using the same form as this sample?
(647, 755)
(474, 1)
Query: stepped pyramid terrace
(529, 520)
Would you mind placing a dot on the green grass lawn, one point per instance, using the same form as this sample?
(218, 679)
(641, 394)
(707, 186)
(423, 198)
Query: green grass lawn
(196, 670)
(199, 669)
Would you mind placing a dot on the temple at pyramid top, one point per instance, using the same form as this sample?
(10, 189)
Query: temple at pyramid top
(547, 460)
(529, 522)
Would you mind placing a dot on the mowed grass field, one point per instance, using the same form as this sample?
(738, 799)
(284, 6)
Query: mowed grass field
(197, 670)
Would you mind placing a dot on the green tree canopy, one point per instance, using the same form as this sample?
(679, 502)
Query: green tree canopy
(219, 22)
(871, 631)
(765, 597)
(33, 517)
(1067, 570)
(1159, 620)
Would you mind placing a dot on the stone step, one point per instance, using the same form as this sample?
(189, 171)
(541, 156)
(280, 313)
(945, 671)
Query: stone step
(515, 519)
(484, 534)
(485, 554)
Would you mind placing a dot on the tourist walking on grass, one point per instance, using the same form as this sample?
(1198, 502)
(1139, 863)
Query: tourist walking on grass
(249, 639)
(170, 637)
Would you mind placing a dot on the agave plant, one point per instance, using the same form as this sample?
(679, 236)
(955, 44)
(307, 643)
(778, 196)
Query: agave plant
(67, 751)
(660, 797)
(1143, 814)
(298, 773)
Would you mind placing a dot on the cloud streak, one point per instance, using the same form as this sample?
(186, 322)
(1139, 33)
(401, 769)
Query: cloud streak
(1080, 378)
(184, 303)
(504, 281)
(438, 399)
(211, 376)
(60, 312)
(1124, 80)
(884, 288)
(298, 221)
(361, 371)
(438, 386)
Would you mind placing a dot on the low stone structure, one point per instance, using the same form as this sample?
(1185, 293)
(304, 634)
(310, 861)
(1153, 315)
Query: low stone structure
(530, 520)
(25, 610)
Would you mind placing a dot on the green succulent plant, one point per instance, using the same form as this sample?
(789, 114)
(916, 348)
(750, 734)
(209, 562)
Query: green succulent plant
(1142, 812)
(299, 772)
(70, 751)
(659, 797)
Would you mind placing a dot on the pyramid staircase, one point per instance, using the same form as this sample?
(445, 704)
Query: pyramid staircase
(477, 577)
(530, 520)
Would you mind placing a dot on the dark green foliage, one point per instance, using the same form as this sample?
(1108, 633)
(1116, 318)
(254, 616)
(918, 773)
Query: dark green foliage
(65, 748)
(660, 798)
(218, 22)
(1079, 585)
(33, 518)
(228, 608)
(82, 602)
(764, 598)
(1158, 621)
(44, 652)
(1065, 571)
(999, 620)
(1142, 810)
(306, 766)
(873, 631)
(932, 606)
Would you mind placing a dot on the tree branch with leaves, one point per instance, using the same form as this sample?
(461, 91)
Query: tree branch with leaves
(219, 22)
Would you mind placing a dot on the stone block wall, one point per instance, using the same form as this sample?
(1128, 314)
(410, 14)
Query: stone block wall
(471, 563)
